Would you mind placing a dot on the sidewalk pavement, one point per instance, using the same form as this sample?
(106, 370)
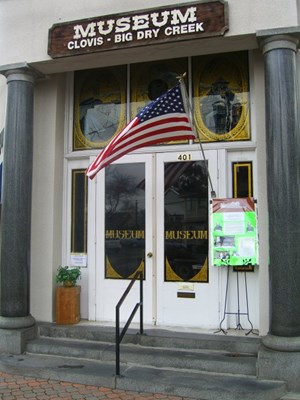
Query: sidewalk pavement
(17, 387)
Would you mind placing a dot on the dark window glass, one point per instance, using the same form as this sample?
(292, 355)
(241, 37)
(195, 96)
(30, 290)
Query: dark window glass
(124, 220)
(79, 211)
(186, 222)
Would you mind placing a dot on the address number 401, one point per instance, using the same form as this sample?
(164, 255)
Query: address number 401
(184, 157)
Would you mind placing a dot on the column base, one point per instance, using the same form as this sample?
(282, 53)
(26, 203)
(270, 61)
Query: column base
(13, 341)
(15, 332)
(16, 322)
(279, 359)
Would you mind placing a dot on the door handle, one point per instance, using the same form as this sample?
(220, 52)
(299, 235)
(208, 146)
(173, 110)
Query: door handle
(149, 254)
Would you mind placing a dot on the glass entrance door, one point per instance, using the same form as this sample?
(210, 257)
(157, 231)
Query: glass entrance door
(187, 290)
(153, 213)
(124, 232)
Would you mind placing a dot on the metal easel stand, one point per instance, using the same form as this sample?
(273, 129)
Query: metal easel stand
(238, 313)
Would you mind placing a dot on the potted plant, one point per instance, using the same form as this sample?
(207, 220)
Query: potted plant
(68, 295)
(68, 276)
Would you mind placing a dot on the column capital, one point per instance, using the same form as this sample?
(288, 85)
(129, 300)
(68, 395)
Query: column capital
(281, 38)
(20, 72)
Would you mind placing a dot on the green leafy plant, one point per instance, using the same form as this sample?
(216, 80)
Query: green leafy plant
(68, 276)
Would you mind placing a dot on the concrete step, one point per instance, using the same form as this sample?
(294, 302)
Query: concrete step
(154, 337)
(184, 383)
(196, 365)
(162, 357)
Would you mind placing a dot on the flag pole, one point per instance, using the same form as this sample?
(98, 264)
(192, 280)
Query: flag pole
(189, 109)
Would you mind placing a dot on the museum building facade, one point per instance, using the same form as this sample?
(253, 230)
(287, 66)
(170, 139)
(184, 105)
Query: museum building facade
(71, 80)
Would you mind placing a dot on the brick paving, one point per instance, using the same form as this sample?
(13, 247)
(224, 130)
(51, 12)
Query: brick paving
(17, 387)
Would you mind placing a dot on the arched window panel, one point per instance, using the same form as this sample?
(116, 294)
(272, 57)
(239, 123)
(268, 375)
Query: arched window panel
(99, 106)
(221, 97)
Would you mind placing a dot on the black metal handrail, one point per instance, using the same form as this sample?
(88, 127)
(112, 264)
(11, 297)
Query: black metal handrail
(120, 335)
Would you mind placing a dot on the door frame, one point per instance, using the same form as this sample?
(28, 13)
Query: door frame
(99, 286)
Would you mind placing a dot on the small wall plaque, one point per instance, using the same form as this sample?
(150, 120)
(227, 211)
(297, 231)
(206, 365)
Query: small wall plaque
(186, 295)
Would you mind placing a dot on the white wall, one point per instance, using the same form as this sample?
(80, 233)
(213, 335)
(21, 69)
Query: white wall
(46, 252)
(258, 129)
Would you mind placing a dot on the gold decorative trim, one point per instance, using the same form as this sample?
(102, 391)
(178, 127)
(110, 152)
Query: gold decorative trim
(140, 268)
(110, 272)
(237, 165)
(202, 275)
(170, 274)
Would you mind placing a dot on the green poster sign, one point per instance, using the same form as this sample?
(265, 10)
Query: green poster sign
(234, 232)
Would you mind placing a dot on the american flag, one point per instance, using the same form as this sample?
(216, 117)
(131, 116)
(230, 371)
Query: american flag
(165, 119)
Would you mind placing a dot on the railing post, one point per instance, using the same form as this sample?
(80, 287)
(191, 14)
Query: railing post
(117, 341)
(119, 336)
(141, 305)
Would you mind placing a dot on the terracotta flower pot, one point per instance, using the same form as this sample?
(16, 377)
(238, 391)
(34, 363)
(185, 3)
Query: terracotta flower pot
(68, 305)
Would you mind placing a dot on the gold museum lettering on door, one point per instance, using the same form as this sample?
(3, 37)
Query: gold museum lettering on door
(140, 234)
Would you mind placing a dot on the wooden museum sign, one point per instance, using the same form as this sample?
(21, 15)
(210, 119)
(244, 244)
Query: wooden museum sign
(165, 24)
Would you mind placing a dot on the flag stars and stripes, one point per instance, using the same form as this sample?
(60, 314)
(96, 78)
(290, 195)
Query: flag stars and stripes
(163, 120)
(163, 105)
